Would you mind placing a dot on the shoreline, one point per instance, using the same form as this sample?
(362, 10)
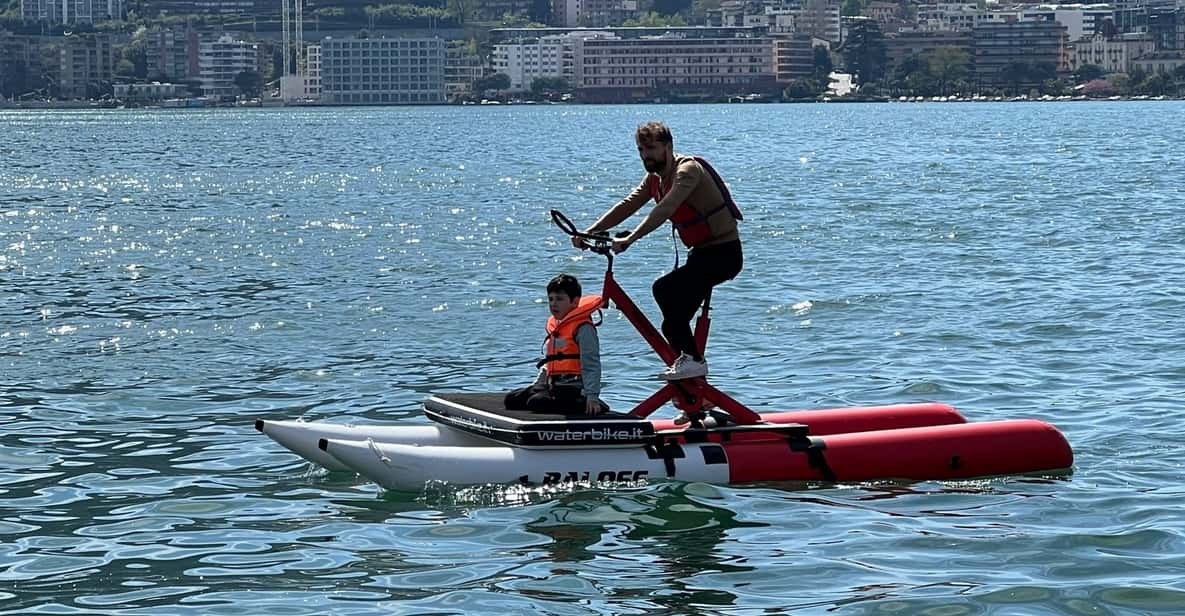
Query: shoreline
(106, 105)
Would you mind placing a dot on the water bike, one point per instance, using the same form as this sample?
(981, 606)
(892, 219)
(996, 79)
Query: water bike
(474, 439)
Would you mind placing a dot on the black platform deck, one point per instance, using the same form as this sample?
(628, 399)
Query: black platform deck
(485, 415)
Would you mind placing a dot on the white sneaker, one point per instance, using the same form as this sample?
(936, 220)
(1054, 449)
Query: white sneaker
(685, 368)
(707, 421)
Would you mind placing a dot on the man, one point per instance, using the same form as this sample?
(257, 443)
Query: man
(689, 193)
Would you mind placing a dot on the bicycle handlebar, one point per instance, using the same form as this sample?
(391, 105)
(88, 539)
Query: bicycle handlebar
(600, 242)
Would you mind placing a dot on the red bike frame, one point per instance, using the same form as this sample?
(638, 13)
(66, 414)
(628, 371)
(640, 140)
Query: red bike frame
(688, 395)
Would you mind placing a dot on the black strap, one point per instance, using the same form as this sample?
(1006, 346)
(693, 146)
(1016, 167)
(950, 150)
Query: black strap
(814, 447)
(668, 450)
(556, 357)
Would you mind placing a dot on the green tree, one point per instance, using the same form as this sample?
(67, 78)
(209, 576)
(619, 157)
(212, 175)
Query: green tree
(462, 10)
(493, 81)
(1088, 72)
(801, 89)
(1179, 78)
(125, 69)
(864, 51)
(1120, 82)
(540, 85)
(823, 65)
(947, 65)
(655, 20)
(670, 7)
(250, 83)
(851, 8)
(1155, 84)
(700, 8)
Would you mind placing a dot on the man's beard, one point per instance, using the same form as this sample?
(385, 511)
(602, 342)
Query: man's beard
(653, 165)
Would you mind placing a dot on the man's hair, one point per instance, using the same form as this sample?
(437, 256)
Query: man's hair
(565, 283)
(652, 132)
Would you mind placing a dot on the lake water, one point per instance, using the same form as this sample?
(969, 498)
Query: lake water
(166, 277)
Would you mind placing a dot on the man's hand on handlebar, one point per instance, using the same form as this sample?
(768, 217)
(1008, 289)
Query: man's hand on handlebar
(622, 242)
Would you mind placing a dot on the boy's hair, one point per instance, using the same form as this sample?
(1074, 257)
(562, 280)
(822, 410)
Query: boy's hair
(652, 132)
(565, 283)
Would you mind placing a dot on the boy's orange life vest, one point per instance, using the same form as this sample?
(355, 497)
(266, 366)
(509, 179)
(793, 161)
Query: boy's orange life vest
(562, 354)
(693, 227)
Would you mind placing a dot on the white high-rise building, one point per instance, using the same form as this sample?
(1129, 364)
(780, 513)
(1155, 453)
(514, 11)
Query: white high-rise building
(220, 62)
(548, 56)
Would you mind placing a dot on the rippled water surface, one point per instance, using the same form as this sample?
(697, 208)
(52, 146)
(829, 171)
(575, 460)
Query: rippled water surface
(166, 277)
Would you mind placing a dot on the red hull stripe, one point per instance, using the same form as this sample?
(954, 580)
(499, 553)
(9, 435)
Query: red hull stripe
(954, 451)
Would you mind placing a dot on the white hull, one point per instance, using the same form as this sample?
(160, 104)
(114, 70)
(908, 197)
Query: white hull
(301, 437)
(401, 466)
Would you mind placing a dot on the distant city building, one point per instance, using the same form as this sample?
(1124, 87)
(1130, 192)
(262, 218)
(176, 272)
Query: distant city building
(172, 54)
(1080, 20)
(86, 66)
(593, 13)
(155, 8)
(794, 57)
(820, 19)
(72, 11)
(1001, 47)
(220, 61)
(1167, 29)
(313, 65)
(948, 16)
(1163, 62)
(499, 35)
(901, 46)
(547, 56)
(462, 67)
(882, 12)
(382, 71)
(1113, 55)
(495, 10)
(615, 69)
(306, 87)
(23, 67)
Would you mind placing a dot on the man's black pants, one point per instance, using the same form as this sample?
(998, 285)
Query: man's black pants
(680, 293)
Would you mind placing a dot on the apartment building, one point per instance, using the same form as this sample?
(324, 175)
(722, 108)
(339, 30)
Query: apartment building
(1114, 55)
(462, 68)
(901, 46)
(527, 59)
(1163, 62)
(593, 13)
(172, 53)
(617, 69)
(1000, 46)
(72, 11)
(23, 66)
(1080, 20)
(221, 60)
(382, 71)
(1167, 28)
(87, 66)
(794, 57)
(948, 16)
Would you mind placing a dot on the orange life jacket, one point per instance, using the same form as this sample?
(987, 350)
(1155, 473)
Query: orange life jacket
(693, 227)
(561, 353)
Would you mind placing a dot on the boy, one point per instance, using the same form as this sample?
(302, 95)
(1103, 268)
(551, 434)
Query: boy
(570, 371)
